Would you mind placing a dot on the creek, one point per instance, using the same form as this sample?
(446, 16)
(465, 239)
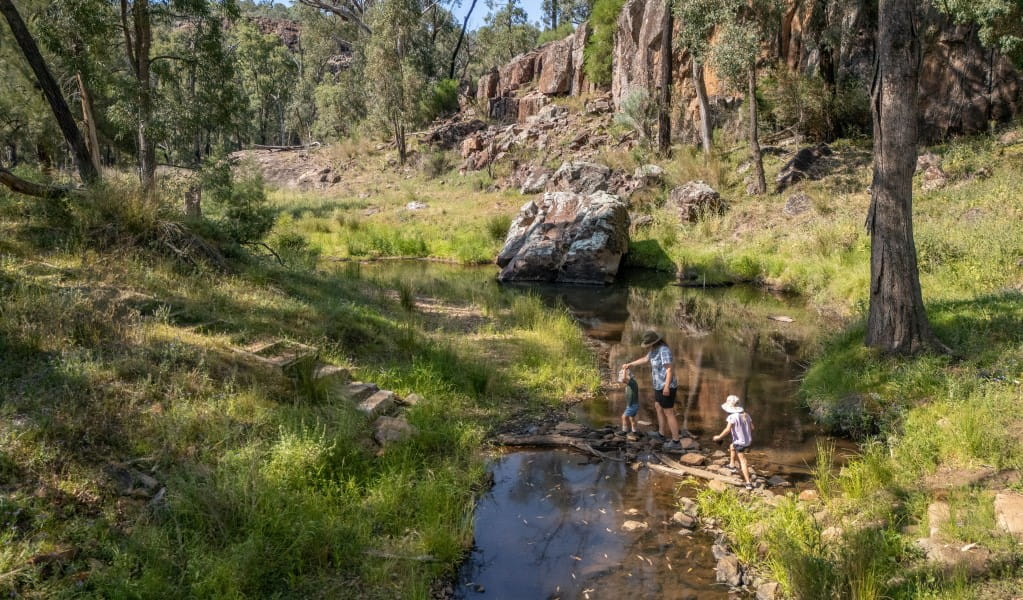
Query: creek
(552, 524)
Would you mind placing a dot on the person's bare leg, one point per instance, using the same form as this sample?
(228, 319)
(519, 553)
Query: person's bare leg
(625, 421)
(660, 419)
(731, 455)
(745, 467)
(669, 415)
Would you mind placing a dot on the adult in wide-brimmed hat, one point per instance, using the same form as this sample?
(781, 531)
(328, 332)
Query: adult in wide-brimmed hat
(740, 425)
(662, 370)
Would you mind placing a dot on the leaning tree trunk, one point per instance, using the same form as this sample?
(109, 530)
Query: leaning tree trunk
(759, 185)
(897, 321)
(83, 158)
(461, 37)
(664, 114)
(706, 131)
(89, 122)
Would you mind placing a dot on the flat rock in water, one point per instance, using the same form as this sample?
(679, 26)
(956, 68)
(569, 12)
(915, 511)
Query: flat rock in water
(681, 518)
(728, 571)
(767, 591)
(693, 459)
(778, 481)
(379, 403)
(633, 525)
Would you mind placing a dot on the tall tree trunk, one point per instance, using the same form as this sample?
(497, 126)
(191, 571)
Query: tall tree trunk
(664, 112)
(83, 159)
(706, 130)
(461, 37)
(896, 321)
(759, 185)
(89, 122)
(138, 39)
(399, 141)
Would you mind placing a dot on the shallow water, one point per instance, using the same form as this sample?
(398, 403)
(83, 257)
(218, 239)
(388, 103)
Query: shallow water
(552, 525)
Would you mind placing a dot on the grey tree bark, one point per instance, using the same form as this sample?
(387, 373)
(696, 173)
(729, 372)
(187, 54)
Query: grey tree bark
(664, 105)
(706, 129)
(83, 158)
(759, 185)
(897, 321)
(138, 39)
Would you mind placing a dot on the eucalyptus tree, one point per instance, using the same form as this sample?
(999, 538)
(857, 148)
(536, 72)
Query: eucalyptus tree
(393, 61)
(698, 18)
(745, 29)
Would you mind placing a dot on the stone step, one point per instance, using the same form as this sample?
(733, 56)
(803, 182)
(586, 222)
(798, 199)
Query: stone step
(381, 402)
(358, 391)
(324, 372)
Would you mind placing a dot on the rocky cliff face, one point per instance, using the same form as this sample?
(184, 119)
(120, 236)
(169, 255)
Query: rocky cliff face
(963, 86)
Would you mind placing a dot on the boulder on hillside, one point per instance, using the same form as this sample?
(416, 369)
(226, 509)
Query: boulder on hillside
(806, 164)
(648, 175)
(450, 133)
(556, 67)
(566, 237)
(534, 179)
(934, 178)
(580, 177)
(797, 204)
(696, 199)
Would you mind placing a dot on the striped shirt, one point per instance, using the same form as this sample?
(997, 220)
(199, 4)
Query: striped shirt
(660, 359)
(742, 434)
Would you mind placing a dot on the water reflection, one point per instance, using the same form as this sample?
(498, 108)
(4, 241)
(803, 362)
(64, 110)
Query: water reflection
(552, 527)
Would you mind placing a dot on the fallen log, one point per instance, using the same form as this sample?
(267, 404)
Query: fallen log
(553, 440)
(286, 148)
(671, 467)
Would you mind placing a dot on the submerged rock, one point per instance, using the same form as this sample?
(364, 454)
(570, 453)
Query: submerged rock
(567, 238)
(729, 571)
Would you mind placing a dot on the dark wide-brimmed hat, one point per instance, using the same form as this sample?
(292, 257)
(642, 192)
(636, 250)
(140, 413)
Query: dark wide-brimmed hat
(650, 337)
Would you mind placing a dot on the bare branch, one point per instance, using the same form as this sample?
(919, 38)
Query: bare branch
(30, 188)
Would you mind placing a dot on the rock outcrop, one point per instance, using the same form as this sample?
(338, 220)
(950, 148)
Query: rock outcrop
(696, 199)
(568, 238)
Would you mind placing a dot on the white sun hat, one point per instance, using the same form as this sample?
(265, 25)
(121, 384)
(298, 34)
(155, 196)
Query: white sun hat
(732, 405)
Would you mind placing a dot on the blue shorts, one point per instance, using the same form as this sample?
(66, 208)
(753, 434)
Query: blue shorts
(631, 410)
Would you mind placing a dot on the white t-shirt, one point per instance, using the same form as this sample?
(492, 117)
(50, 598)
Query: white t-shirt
(742, 434)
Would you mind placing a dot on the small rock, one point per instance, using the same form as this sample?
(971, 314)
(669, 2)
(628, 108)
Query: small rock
(767, 591)
(797, 204)
(719, 454)
(689, 506)
(1009, 513)
(416, 205)
(696, 199)
(648, 174)
(719, 551)
(689, 444)
(717, 486)
(632, 512)
(728, 571)
(358, 391)
(934, 178)
(938, 513)
(381, 402)
(681, 518)
(633, 525)
(388, 430)
(693, 459)
(809, 495)
(640, 221)
(778, 481)
(926, 161)
(412, 399)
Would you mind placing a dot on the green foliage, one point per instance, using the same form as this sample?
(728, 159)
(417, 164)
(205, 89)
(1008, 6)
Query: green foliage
(1000, 22)
(810, 107)
(506, 33)
(552, 35)
(638, 112)
(440, 100)
(238, 206)
(600, 45)
(498, 226)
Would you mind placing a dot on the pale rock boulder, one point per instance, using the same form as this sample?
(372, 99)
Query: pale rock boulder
(1009, 512)
(580, 177)
(389, 430)
(696, 199)
(568, 238)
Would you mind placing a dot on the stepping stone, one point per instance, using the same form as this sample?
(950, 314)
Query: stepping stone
(358, 391)
(777, 481)
(1009, 513)
(379, 403)
(326, 372)
(681, 518)
(633, 525)
(693, 459)
(689, 444)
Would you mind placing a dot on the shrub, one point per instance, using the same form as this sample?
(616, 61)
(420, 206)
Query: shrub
(435, 164)
(497, 227)
(239, 206)
(638, 113)
(552, 35)
(440, 100)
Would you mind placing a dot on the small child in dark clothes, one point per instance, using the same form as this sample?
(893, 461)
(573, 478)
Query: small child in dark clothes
(631, 401)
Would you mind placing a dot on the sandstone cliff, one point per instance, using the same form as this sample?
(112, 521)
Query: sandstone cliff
(963, 86)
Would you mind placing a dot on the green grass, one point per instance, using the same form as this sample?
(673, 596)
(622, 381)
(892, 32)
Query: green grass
(921, 417)
(274, 489)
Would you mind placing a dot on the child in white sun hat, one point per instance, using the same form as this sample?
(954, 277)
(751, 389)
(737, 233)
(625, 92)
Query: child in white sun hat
(740, 425)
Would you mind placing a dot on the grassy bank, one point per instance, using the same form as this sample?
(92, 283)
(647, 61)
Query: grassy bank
(936, 428)
(119, 360)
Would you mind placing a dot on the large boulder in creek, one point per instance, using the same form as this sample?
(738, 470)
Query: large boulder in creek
(567, 238)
